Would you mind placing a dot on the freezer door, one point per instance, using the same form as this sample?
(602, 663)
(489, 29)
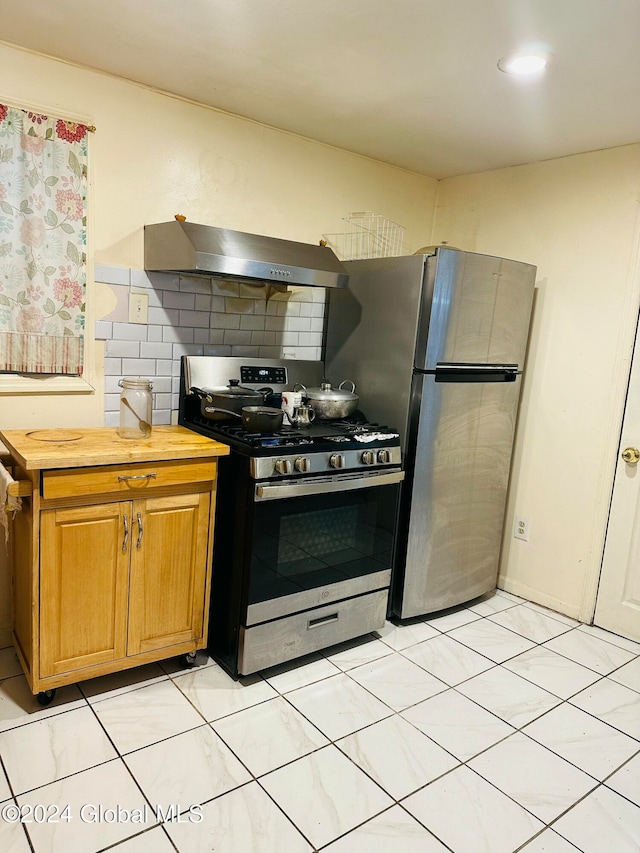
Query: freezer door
(455, 493)
(480, 310)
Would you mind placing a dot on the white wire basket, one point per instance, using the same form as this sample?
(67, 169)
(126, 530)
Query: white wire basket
(368, 236)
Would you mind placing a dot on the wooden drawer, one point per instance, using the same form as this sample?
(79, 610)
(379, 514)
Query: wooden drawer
(125, 479)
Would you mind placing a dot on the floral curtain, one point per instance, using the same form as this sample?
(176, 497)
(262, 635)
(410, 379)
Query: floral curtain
(43, 191)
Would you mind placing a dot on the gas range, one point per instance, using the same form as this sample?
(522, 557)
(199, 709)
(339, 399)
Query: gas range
(305, 522)
(324, 447)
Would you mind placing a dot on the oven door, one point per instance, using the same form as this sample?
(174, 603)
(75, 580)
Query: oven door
(318, 540)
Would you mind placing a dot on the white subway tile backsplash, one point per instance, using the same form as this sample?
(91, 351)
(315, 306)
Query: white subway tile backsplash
(298, 324)
(104, 330)
(196, 319)
(270, 352)
(301, 294)
(179, 300)
(154, 333)
(111, 384)
(140, 279)
(112, 402)
(186, 349)
(275, 324)
(155, 297)
(113, 367)
(289, 339)
(224, 321)
(252, 321)
(164, 366)
(237, 336)
(162, 385)
(164, 281)
(195, 284)
(156, 350)
(177, 334)
(138, 367)
(162, 401)
(164, 316)
(245, 352)
(289, 309)
(129, 332)
(201, 316)
(310, 339)
(203, 302)
(111, 419)
(122, 349)
(111, 275)
(161, 417)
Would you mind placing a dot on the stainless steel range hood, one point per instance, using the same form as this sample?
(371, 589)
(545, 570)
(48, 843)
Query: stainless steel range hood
(184, 247)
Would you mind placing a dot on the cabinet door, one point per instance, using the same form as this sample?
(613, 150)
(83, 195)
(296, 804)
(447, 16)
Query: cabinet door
(84, 570)
(168, 571)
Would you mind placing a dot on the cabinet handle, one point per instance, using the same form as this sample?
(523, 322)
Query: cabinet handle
(126, 533)
(122, 478)
(140, 530)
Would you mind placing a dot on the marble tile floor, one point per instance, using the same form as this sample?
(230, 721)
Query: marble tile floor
(492, 728)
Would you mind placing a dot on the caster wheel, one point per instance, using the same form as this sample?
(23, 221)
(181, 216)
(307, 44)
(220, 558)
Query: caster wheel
(46, 697)
(189, 659)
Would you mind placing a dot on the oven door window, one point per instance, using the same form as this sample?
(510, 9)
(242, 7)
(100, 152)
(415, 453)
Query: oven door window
(312, 541)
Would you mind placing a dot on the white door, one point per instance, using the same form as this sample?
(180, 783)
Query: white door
(618, 603)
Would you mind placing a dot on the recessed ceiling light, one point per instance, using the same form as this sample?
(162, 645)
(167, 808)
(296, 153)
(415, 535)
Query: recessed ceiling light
(522, 63)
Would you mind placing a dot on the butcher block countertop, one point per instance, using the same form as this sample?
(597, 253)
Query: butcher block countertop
(37, 449)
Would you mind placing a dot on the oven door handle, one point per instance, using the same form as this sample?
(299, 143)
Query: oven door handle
(273, 492)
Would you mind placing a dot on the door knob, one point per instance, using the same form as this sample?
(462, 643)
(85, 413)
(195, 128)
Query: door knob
(631, 455)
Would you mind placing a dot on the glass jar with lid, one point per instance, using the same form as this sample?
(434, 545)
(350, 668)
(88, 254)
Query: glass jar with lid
(135, 407)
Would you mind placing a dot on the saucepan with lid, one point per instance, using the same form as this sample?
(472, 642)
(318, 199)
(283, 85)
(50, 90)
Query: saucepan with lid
(225, 404)
(330, 403)
(221, 403)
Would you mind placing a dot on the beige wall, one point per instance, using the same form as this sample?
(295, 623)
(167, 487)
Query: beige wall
(154, 156)
(576, 219)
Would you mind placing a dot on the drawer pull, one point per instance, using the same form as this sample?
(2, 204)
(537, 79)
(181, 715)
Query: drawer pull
(322, 620)
(140, 530)
(136, 477)
(126, 533)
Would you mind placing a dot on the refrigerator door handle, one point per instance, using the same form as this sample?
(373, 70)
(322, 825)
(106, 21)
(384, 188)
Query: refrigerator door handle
(454, 372)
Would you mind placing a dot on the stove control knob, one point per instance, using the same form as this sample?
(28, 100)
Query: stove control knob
(303, 464)
(336, 460)
(368, 457)
(384, 457)
(283, 466)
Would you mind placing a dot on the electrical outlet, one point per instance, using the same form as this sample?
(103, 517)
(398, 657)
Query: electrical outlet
(138, 307)
(522, 528)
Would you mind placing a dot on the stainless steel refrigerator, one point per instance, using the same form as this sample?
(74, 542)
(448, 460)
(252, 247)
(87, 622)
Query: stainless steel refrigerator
(436, 345)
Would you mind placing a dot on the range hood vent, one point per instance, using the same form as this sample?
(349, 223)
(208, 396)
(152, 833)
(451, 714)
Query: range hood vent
(187, 248)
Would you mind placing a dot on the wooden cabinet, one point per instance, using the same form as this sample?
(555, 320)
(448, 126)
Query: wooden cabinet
(112, 565)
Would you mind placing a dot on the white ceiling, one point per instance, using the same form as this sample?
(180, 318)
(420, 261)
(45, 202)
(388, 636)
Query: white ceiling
(408, 82)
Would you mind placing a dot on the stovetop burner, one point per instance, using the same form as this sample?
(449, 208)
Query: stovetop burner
(356, 432)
